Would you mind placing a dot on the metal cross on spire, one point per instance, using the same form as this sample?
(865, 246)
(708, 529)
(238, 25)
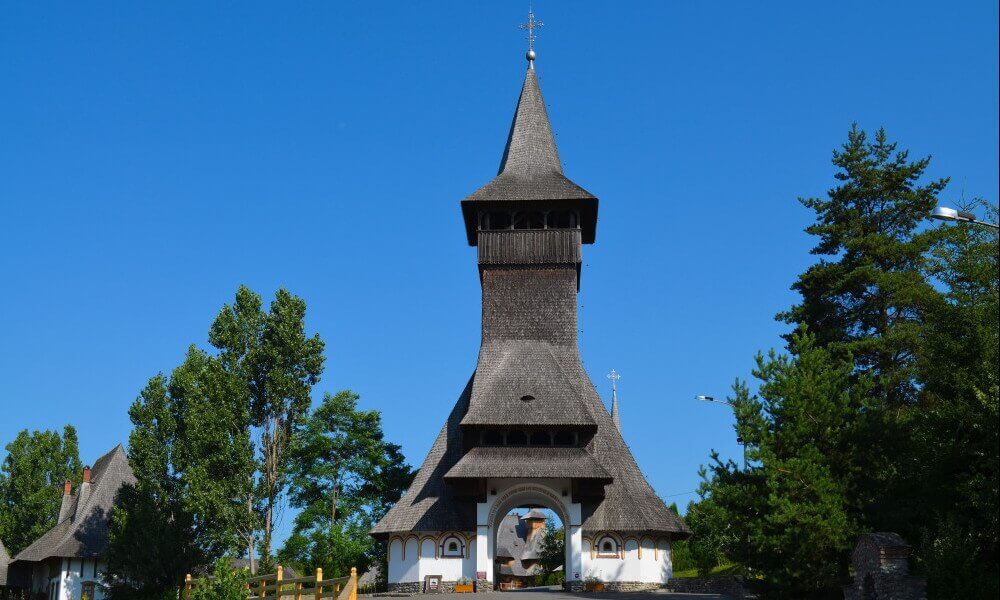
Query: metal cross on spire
(615, 418)
(530, 26)
(614, 377)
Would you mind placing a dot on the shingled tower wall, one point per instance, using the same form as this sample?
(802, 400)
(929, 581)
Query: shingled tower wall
(530, 429)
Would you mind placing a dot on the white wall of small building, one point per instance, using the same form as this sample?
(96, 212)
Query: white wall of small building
(642, 560)
(66, 577)
(420, 554)
(638, 559)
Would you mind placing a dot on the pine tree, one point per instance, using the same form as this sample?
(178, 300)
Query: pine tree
(870, 296)
(792, 516)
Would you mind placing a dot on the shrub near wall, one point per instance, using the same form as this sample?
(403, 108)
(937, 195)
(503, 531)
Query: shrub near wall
(224, 584)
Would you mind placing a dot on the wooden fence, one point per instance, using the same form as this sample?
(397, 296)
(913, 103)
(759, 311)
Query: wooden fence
(274, 586)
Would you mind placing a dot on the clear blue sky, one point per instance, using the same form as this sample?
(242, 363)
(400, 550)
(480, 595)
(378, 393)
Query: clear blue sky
(154, 156)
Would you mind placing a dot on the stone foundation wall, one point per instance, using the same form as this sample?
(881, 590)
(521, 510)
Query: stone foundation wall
(447, 587)
(630, 586)
(731, 586)
(406, 587)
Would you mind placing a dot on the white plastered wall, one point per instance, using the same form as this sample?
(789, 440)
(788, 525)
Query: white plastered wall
(642, 559)
(420, 554)
(639, 560)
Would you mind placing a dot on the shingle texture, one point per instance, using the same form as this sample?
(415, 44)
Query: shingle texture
(527, 463)
(84, 532)
(514, 541)
(530, 169)
(428, 504)
(4, 561)
(529, 371)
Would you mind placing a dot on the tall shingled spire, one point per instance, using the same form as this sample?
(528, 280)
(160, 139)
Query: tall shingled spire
(531, 147)
(530, 169)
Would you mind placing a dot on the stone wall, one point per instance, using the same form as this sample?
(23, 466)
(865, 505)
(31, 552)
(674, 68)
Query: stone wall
(406, 587)
(447, 587)
(630, 586)
(728, 585)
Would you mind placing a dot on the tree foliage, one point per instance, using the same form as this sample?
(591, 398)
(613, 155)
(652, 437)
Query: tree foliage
(209, 446)
(277, 364)
(191, 454)
(552, 553)
(953, 469)
(869, 297)
(884, 414)
(31, 483)
(344, 477)
(225, 583)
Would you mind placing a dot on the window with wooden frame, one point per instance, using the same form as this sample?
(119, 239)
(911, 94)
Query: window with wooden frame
(607, 547)
(87, 589)
(452, 546)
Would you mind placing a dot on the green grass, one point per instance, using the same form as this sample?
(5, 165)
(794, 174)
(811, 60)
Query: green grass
(729, 569)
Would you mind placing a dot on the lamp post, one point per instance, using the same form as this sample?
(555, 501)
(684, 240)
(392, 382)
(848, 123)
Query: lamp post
(739, 440)
(943, 213)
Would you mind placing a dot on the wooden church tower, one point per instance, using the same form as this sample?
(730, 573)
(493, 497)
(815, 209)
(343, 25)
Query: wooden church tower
(530, 429)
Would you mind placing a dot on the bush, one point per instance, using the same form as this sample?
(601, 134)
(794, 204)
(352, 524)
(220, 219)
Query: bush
(224, 584)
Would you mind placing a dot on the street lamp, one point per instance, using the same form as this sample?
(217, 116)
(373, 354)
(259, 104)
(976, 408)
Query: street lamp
(704, 398)
(943, 213)
(739, 440)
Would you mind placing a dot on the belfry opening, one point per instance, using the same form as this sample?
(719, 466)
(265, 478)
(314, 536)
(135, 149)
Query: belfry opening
(529, 432)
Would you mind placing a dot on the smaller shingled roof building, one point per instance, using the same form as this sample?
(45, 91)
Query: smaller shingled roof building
(520, 541)
(66, 562)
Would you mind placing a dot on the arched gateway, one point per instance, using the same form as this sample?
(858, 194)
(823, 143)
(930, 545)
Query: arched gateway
(530, 429)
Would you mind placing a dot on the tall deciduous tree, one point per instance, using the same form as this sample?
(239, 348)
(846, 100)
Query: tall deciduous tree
(271, 355)
(31, 483)
(344, 477)
(191, 454)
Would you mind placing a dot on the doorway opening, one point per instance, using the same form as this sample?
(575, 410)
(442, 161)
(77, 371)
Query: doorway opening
(529, 549)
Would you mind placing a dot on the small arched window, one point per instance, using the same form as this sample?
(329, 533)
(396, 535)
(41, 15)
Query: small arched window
(452, 547)
(560, 219)
(607, 547)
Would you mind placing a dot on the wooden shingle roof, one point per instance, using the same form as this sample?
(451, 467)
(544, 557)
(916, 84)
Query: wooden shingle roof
(83, 533)
(527, 463)
(530, 169)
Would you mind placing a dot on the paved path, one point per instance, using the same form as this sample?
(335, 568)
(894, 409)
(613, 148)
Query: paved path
(558, 594)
